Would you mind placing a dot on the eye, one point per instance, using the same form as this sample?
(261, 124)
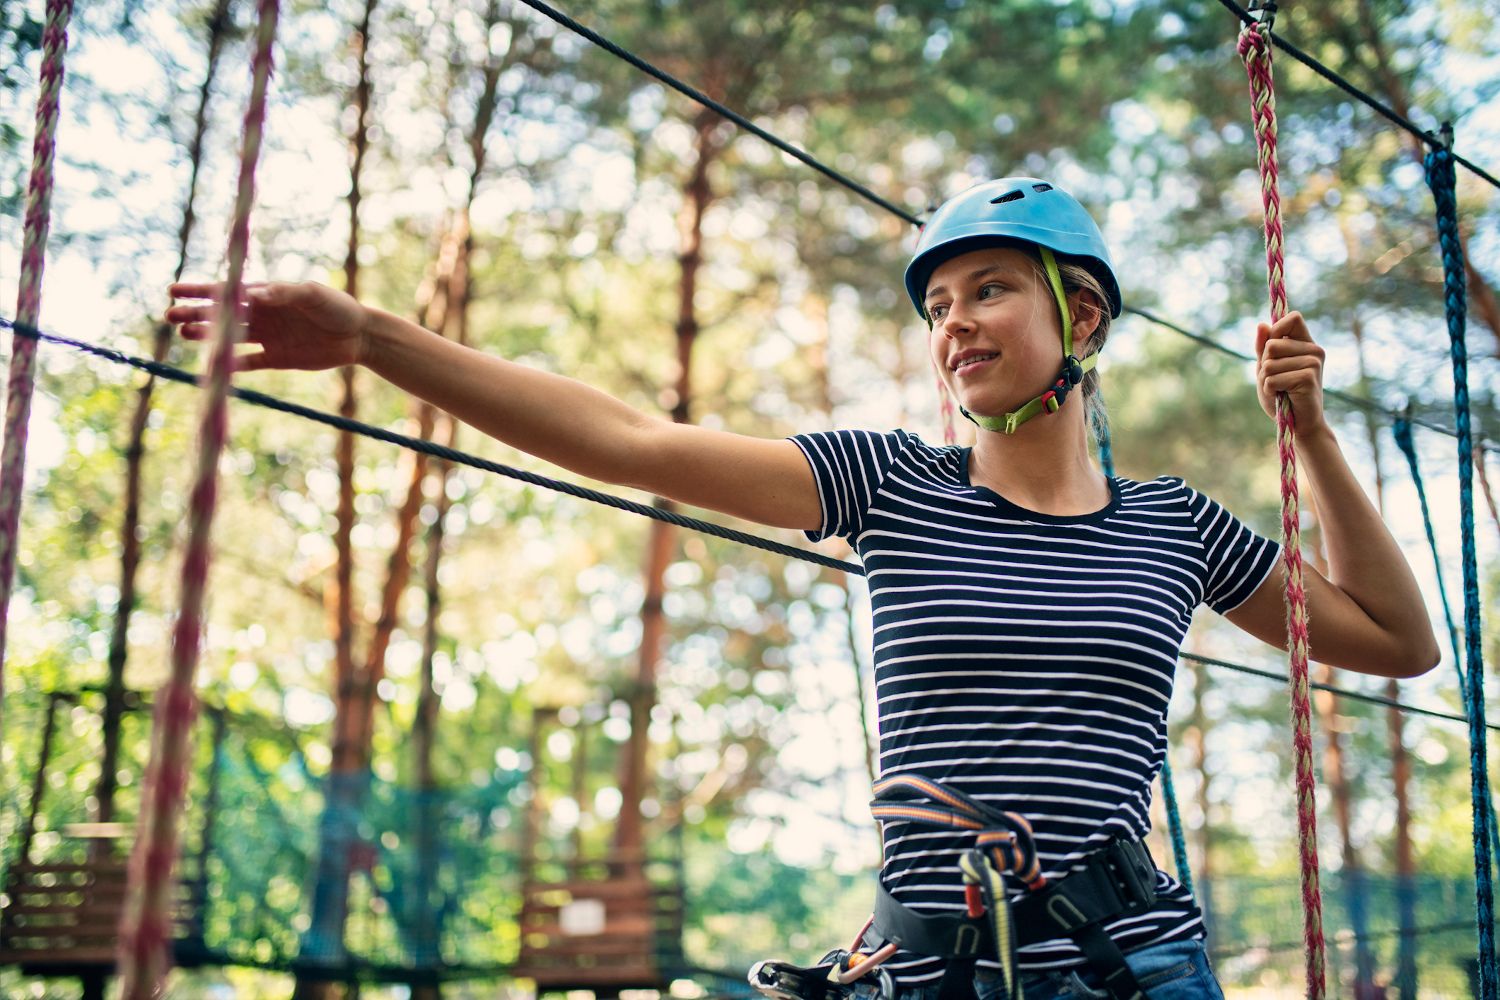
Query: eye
(990, 289)
(936, 312)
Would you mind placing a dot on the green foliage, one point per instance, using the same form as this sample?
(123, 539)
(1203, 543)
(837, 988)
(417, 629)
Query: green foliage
(1140, 107)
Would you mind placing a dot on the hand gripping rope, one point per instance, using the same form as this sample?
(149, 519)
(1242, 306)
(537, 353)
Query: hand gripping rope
(29, 301)
(1255, 50)
(1440, 177)
(146, 928)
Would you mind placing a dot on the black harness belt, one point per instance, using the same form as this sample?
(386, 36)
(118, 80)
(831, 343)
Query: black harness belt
(1118, 881)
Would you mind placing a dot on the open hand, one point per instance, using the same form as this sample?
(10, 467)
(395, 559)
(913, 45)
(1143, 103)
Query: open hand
(303, 325)
(1288, 361)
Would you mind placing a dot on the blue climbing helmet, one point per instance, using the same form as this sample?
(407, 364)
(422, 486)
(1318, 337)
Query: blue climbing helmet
(1008, 212)
(1004, 212)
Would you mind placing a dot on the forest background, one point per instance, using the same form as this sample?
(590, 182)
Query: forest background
(437, 630)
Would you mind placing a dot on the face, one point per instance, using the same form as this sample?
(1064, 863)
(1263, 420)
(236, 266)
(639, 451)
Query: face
(996, 339)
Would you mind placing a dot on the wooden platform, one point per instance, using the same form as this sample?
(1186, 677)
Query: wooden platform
(62, 918)
(604, 935)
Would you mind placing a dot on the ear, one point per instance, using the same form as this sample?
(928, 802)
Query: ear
(1087, 311)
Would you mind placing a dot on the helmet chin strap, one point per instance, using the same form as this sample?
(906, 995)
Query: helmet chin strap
(1073, 369)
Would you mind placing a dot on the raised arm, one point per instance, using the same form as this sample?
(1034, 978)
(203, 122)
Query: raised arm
(560, 420)
(1367, 614)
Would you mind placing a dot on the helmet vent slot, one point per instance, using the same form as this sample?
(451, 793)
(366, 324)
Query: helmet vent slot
(1044, 186)
(1015, 195)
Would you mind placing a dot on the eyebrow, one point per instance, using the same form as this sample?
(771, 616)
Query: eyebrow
(972, 276)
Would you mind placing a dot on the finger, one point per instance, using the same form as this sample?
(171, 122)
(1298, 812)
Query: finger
(1289, 382)
(1279, 366)
(1262, 334)
(275, 293)
(1291, 326)
(196, 290)
(191, 314)
(254, 361)
(197, 331)
(1286, 347)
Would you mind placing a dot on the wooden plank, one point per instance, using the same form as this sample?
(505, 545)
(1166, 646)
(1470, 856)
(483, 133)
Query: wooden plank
(624, 976)
(635, 926)
(574, 949)
(633, 888)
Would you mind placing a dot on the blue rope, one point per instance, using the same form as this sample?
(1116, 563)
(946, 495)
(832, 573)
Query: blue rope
(1402, 431)
(1440, 177)
(1100, 419)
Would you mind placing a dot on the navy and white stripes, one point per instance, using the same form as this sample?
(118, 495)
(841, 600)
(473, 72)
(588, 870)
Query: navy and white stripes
(1026, 659)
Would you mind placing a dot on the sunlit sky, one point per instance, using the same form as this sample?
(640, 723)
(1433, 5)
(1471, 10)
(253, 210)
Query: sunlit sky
(304, 170)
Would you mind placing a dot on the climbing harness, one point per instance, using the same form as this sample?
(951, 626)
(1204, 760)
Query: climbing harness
(1118, 881)
(1019, 211)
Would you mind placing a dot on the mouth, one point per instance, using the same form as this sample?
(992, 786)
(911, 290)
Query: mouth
(972, 361)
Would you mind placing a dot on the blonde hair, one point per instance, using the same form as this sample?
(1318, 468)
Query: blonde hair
(1077, 278)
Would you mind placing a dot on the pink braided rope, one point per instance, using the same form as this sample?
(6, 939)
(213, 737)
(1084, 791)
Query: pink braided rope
(29, 301)
(147, 924)
(945, 407)
(1255, 49)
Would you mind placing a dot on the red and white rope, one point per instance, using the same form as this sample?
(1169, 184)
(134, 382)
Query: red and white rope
(22, 373)
(1255, 50)
(147, 926)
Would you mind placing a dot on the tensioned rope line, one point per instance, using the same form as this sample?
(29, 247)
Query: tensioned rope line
(1427, 136)
(1373, 699)
(1348, 398)
(261, 399)
(1255, 49)
(1438, 165)
(173, 374)
(688, 90)
(22, 372)
(708, 102)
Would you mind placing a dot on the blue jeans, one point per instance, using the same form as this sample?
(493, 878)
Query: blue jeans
(1177, 970)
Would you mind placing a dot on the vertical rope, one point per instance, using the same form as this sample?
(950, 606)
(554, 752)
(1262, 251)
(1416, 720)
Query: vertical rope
(29, 302)
(1402, 432)
(1439, 168)
(1401, 429)
(1099, 418)
(1255, 50)
(147, 924)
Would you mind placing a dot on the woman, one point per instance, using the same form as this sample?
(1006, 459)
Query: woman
(1028, 611)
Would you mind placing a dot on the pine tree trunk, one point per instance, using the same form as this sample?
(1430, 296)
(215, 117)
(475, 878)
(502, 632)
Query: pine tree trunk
(324, 939)
(698, 196)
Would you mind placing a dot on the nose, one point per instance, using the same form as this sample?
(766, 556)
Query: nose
(956, 321)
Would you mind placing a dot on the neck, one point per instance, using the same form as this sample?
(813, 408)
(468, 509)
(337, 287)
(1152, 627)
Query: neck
(1044, 466)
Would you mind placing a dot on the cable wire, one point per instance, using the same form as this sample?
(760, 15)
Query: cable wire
(1432, 139)
(173, 374)
(178, 375)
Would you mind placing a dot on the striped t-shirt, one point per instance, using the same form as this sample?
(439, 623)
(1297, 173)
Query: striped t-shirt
(1026, 659)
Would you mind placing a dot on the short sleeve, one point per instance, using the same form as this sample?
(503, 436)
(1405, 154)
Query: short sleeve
(1239, 560)
(849, 467)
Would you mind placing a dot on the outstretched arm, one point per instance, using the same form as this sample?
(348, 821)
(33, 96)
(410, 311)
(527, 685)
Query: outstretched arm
(561, 420)
(1367, 614)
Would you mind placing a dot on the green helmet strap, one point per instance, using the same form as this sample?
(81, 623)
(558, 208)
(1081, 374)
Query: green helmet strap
(1072, 372)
